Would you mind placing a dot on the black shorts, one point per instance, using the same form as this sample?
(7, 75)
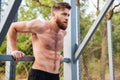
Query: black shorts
(35, 74)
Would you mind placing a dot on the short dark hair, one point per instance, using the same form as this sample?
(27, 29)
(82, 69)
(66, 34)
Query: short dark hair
(60, 5)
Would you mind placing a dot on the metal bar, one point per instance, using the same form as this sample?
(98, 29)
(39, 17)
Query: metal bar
(10, 70)
(79, 71)
(110, 52)
(8, 18)
(11, 65)
(70, 69)
(0, 9)
(92, 29)
(10, 58)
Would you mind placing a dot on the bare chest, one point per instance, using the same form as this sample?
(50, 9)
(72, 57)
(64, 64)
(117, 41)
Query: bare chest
(51, 41)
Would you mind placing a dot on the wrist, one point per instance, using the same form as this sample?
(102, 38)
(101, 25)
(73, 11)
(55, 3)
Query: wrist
(12, 51)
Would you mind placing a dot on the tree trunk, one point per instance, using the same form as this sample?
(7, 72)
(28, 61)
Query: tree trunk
(85, 65)
(103, 51)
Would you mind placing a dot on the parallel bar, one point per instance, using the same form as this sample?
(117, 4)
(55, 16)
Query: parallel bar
(92, 29)
(10, 58)
(8, 18)
(6, 58)
(27, 58)
(110, 49)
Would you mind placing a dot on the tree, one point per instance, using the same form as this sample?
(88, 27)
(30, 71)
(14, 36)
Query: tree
(97, 46)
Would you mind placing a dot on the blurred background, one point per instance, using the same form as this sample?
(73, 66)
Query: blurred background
(94, 61)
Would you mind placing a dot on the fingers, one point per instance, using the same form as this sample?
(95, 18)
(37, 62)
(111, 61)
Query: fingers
(17, 55)
(61, 58)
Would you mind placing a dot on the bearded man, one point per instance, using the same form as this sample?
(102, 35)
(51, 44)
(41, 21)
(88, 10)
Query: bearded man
(47, 42)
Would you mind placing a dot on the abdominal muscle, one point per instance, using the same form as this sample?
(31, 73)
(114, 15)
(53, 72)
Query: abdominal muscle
(47, 48)
(46, 61)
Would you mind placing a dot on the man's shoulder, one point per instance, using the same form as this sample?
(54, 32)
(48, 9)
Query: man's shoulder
(41, 25)
(35, 21)
(38, 23)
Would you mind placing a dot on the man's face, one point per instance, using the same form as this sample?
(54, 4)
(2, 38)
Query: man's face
(62, 17)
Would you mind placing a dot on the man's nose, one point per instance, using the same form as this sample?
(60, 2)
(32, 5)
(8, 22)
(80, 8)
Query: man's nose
(67, 18)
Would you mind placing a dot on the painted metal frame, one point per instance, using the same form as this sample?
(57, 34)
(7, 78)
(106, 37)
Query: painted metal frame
(70, 49)
(7, 19)
(70, 43)
(92, 29)
(4, 57)
(110, 50)
(0, 9)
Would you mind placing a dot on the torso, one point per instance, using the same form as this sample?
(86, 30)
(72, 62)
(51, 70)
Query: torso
(47, 48)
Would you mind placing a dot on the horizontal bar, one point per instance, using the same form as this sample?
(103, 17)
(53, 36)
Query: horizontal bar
(92, 29)
(10, 58)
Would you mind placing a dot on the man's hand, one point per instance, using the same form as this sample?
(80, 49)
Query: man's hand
(62, 59)
(17, 55)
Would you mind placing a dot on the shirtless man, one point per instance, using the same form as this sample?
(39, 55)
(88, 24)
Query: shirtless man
(47, 41)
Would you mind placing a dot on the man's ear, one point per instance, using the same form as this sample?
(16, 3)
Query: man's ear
(53, 13)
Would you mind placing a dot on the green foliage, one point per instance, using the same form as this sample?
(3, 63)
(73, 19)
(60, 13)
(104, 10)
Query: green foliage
(85, 25)
(83, 7)
(27, 11)
(24, 45)
(116, 32)
(3, 47)
(23, 67)
(116, 40)
(32, 9)
(93, 49)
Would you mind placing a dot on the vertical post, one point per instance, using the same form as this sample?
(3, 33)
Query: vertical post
(111, 66)
(78, 38)
(70, 69)
(0, 9)
(10, 70)
(11, 65)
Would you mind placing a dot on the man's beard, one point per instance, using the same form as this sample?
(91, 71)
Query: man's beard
(61, 25)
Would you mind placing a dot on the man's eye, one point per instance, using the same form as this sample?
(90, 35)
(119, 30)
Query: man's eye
(64, 14)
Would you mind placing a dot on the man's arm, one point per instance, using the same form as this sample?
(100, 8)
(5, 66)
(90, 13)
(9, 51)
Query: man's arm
(12, 39)
(23, 27)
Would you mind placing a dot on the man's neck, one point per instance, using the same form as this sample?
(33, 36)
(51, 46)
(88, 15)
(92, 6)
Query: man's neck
(54, 26)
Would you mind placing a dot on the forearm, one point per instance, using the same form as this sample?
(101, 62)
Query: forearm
(12, 38)
(12, 42)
